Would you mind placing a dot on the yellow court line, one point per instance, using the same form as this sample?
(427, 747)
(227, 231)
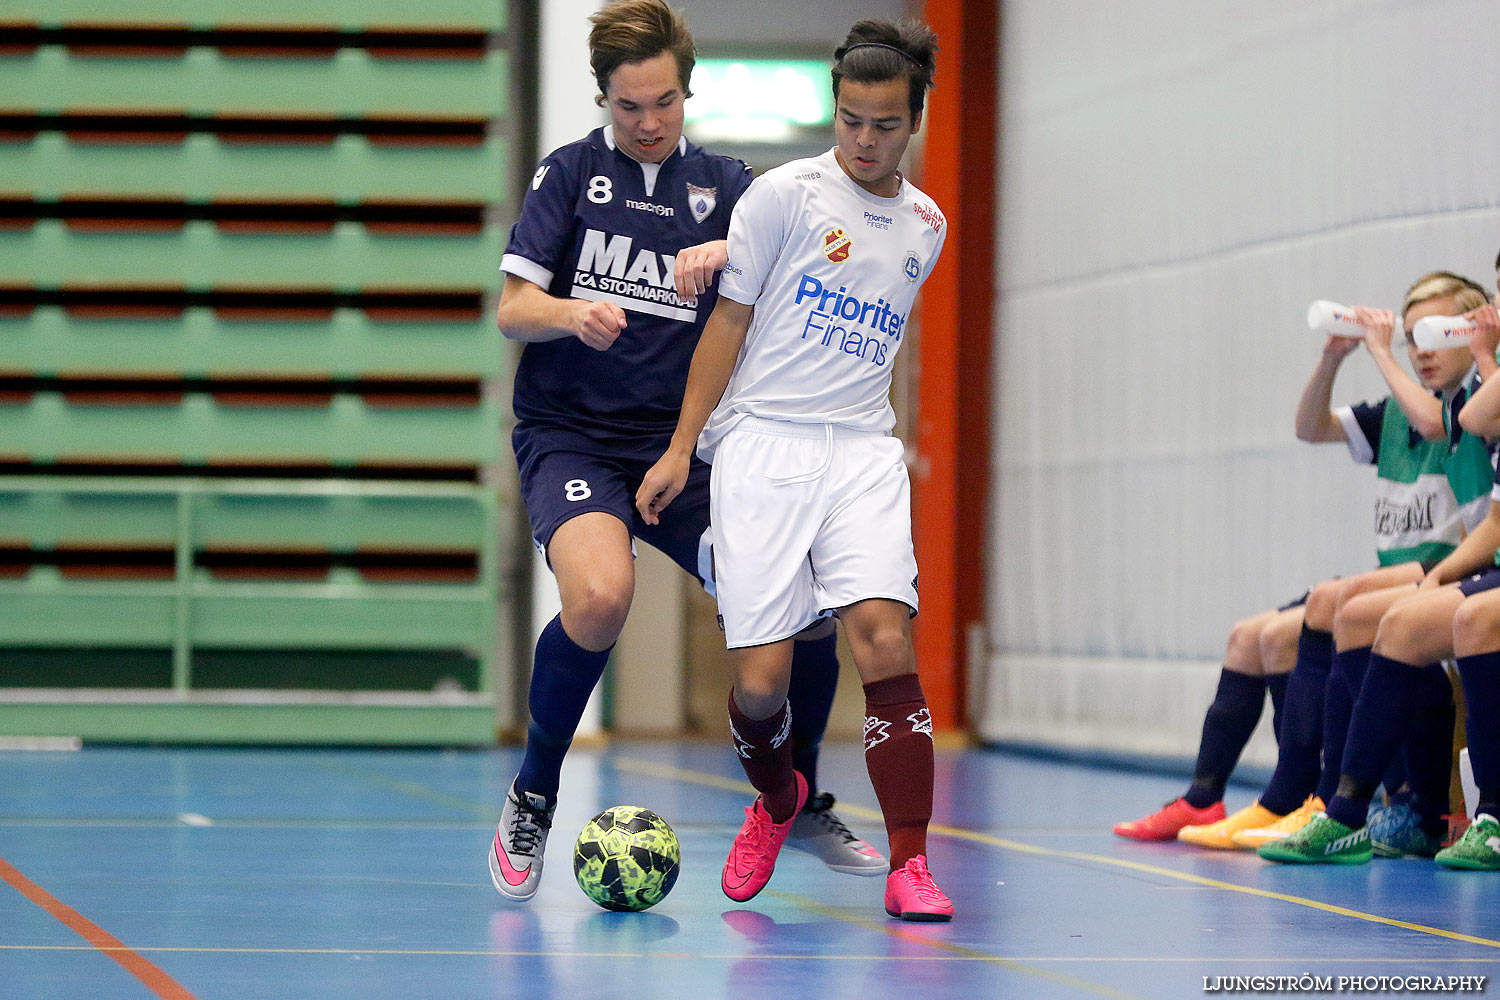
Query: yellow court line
(883, 927)
(735, 956)
(953, 950)
(727, 784)
(714, 781)
(415, 789)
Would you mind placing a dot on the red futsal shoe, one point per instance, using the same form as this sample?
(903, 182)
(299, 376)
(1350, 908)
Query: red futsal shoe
(1164, 823)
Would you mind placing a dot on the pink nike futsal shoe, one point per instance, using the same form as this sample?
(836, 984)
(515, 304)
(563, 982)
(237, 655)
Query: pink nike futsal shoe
(911, 894)
(752, 858)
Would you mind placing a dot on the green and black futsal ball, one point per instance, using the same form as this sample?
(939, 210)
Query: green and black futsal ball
(626, 858)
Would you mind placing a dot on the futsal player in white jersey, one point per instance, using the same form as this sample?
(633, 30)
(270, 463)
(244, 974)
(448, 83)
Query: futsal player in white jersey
(788, 396)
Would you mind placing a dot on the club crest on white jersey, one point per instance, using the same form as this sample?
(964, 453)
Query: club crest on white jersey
(702, 201)
(912, 268)
(836, 245)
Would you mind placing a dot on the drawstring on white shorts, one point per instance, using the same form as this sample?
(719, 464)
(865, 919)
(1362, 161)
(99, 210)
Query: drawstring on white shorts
(807, 477)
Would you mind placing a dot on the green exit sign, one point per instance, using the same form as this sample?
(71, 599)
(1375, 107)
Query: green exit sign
(759, 100)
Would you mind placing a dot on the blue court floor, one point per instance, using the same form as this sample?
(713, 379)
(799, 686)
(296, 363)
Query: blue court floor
(257, 874)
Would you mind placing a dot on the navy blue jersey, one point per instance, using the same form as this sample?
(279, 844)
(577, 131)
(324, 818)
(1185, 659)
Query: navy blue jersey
(599, 225)
(1369, 416)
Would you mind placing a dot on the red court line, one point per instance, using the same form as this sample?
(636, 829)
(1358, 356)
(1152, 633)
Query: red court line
(155, 980)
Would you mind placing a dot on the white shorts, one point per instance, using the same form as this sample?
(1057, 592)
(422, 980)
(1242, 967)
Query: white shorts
(807, 519)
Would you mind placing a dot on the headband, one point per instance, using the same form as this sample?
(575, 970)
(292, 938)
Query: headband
(877, 45)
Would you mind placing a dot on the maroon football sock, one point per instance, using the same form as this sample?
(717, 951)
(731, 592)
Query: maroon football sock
(765, 750)
(898, 754)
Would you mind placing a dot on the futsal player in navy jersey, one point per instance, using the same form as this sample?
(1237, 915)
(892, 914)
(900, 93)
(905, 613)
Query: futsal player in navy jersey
(608, 276)
(1312, 742)
(1404, 436)
(1476, 648)
(1399, 676)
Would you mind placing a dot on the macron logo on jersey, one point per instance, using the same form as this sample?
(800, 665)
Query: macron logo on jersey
(832, 309)
(608, 271)
(665, 211)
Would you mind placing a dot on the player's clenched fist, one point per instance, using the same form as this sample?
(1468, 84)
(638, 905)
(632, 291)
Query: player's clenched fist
(597, 324)
(696, 267)
(662, 483)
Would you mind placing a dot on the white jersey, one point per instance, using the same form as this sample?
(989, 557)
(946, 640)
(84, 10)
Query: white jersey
(832, 271)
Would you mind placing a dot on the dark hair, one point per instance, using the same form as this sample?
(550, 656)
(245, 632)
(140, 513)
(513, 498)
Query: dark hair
(1497, 261)
(876, 51)
(628, 31)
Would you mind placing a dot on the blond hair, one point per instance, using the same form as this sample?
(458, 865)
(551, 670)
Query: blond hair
(1466, 294)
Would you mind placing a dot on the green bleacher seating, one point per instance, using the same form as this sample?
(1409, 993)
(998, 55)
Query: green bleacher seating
(248, 420)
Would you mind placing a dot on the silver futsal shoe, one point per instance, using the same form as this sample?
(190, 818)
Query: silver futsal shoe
(520, 839)
(817, 830)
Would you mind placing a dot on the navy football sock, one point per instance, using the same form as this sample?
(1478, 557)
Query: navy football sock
(1395, 780)
(1382, 716)
(1276, 687)
(1344, 682)
(1428, 750)
(1481, 678)
(562, 678)
(1227, 726)
(1301, 731)
(815, 677)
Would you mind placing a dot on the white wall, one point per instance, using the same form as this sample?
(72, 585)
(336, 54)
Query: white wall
(822, 25)
(1178, 180)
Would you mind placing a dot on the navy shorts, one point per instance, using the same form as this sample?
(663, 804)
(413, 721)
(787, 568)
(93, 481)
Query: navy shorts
(1296, 602)
(1485, 579)
(557, 486)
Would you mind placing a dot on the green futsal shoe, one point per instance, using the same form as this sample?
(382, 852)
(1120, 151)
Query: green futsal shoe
(1324, 841)
(1478, 849)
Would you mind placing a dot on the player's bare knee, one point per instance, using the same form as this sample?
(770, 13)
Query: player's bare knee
(1242, 652)
(1323, 603)
(1406, 631)
(1394, 642)
(762, 675)
(759, 697)
(1278, 643)
(595, 615)
(882, 652)
(1353, 626)
(1403, 618)
(1476, 627)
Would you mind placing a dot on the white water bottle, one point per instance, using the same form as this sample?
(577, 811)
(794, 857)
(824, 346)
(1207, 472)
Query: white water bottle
(1330, 317)
(1434, 333)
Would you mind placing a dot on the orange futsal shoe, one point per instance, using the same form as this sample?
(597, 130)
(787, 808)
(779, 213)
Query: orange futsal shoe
(1220, 835)
(1165, 823)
